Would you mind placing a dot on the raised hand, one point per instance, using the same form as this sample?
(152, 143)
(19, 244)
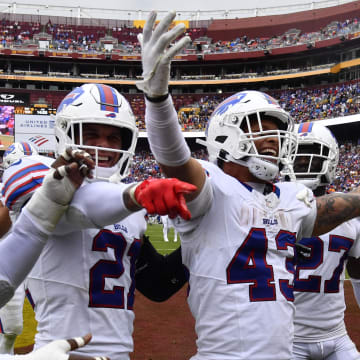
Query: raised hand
(156, 54)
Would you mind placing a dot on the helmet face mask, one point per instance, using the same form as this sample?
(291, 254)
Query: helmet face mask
(240, 123)
(100, 105)
(317, 156)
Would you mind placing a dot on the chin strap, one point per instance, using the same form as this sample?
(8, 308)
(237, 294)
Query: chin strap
(261, 169)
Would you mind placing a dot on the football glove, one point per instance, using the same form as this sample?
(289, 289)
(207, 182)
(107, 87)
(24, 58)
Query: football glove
(163, 197)
(156, 55)
(58, 350)
(51, 200)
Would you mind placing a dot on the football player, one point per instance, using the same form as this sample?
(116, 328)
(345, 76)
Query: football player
(320, 331)
(86, 272)
(11, 314)
(239, 243)
(166, 228)
(25, 243)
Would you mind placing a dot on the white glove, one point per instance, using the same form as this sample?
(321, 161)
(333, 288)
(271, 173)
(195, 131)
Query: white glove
(155, 54)
(58, 350)
(51, 200)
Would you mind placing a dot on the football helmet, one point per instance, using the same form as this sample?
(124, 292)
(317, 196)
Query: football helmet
(317, 155)
(229, 136)
(16, 151)
(22, 178)
(97, 104)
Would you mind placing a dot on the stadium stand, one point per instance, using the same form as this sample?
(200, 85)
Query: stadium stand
(312, 67)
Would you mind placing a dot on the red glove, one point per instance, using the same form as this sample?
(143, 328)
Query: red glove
(164, 197)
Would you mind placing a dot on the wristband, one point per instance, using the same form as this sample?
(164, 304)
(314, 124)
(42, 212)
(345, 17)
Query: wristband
(132, 194)
(157, 99)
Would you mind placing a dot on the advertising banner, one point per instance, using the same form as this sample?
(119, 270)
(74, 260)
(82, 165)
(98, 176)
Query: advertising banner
(34, 124)
(42, 143)
(14, 99)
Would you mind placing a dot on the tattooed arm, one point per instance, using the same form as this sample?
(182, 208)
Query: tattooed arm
(334, 209)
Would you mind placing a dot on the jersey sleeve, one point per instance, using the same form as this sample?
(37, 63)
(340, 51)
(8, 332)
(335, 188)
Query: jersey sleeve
(94, 205)
(299, 201)
(355, 249)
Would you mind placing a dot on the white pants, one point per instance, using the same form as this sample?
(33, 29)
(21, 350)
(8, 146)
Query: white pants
(166, 230)
(341, 348)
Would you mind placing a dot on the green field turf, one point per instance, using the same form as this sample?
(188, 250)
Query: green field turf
(156, 236)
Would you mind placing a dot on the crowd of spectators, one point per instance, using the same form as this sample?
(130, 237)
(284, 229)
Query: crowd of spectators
(348, 170)
(144, 165)
(321, 102)
(69, 36)
(303, 104)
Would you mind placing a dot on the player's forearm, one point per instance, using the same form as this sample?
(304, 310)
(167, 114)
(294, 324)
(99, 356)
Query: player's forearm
(97, 205)
(169, 146)
(164, 133)
(334, 209)
(19, 252)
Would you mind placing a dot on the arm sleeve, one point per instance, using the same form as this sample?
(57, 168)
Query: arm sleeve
(166, 140)
(158, 277)
(95, 205)
(19, 252)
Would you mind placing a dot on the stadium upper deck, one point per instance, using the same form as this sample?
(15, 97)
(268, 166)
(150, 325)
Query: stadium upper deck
(46, 53)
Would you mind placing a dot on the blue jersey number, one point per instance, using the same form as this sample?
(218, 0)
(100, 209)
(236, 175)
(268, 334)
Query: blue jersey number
(313, 282)
(249, 265)
(114, 298)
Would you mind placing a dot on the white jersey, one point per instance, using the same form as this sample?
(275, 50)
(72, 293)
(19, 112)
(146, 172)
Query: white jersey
(83, 283)
(319, 284)
(239, 255)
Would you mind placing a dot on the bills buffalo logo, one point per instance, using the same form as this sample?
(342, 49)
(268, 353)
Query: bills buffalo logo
(70, 98)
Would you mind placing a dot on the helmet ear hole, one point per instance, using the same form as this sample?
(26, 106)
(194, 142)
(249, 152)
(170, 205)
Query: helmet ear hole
(221, 139)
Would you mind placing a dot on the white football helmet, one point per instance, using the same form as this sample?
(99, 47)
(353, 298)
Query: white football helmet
(97, 104)
(22, 178)
(317, 155)
(229, 136)
(16, 151)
